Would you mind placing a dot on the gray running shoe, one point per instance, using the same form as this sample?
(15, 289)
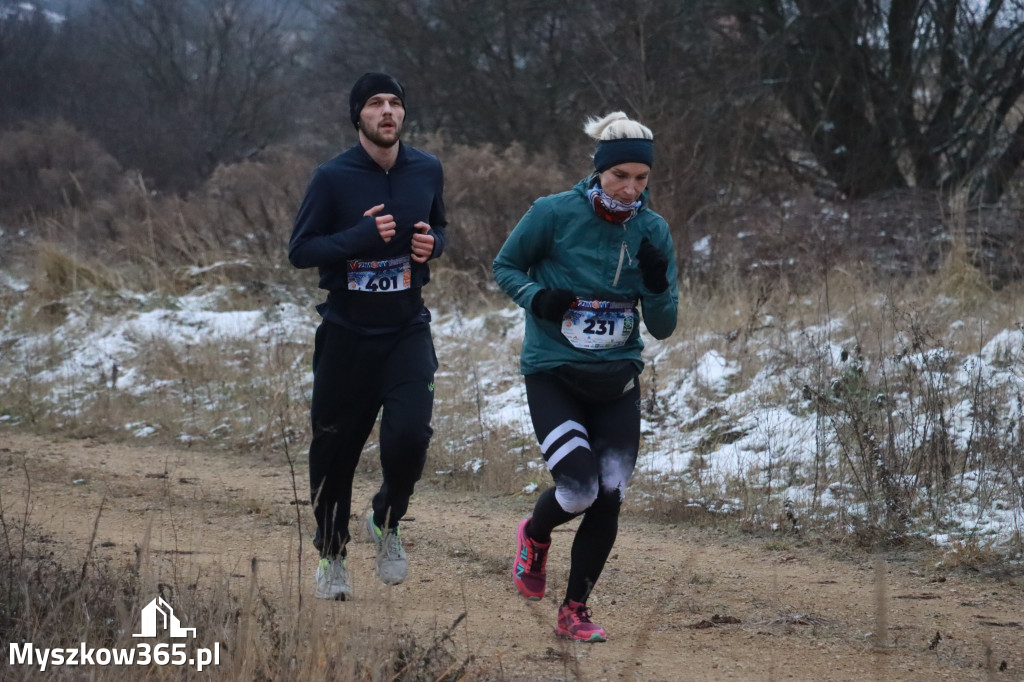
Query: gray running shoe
(391, 564)
(332, 580)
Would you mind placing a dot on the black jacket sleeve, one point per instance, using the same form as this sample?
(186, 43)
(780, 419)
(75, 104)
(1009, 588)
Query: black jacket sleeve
(317, 238)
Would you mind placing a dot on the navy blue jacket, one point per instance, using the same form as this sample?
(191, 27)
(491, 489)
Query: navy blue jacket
(330, 229)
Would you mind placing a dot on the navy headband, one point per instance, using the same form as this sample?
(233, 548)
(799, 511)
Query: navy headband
(623, 150)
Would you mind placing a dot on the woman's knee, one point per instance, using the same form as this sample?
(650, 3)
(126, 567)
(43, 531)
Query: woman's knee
(575, 497)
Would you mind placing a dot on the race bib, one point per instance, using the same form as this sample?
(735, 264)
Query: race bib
(598, 324)
(393, 274)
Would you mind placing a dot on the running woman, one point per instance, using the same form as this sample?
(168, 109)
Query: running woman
(580, 263)
(372, 218)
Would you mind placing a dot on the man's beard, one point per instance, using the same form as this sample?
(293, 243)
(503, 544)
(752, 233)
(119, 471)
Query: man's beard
(380, 139)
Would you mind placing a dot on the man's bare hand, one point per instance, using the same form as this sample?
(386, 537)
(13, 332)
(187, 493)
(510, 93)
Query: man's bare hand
(385, 223)
(422, 243)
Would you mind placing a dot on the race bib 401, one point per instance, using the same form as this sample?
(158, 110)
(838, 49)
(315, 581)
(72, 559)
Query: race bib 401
(598, 324)
(393, 274)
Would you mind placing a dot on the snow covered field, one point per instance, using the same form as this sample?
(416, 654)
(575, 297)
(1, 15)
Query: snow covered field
(793, 413)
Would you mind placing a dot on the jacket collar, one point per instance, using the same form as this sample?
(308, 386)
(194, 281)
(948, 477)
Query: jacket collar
(366, 160)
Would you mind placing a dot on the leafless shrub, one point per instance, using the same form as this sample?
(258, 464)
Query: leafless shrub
(487, 191)
(47, 165)
(248, 208)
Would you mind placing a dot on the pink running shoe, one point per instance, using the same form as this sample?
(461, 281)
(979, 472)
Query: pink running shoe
(528, 568)
(574, 622)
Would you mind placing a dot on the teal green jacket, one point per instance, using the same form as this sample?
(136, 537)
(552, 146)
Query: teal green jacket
(562, 244)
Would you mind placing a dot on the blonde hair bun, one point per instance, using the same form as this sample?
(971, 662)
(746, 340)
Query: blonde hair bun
(616, 126)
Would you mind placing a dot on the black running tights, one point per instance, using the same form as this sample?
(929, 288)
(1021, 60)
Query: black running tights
(591, 450)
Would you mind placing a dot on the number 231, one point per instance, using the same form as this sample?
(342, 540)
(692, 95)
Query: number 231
(599, 327)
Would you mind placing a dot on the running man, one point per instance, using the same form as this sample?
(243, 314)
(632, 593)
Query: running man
(371, 219)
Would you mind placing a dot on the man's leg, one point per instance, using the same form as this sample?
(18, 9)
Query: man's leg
(343, 411)
(405, 423)
(404, 437)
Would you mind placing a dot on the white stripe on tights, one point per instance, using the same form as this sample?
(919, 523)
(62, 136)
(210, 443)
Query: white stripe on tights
(561, 452)
(559, 431)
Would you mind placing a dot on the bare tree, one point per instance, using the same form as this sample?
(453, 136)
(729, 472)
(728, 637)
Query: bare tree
(893, 94)
(531, 72)
(31, 51)
(657, 59)
(478, 70)
(179, 86)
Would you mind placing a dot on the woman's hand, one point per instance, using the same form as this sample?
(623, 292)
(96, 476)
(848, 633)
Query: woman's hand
(653, 266)
(551, 304)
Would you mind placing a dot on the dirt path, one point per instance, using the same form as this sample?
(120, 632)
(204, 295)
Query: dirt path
(678, 603)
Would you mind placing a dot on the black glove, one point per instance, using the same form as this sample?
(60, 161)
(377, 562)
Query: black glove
(551, 304)
(653, 266)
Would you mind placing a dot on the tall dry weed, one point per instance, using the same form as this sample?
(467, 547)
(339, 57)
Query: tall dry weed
(260, 628)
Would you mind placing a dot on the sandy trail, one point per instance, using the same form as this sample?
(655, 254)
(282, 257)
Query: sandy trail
(678, 602)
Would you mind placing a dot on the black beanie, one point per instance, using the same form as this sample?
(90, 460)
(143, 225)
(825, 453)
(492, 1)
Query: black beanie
(368, 85)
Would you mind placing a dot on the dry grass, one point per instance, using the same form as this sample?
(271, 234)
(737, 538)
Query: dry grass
(262, 630)
(973, 554)
(251, 395)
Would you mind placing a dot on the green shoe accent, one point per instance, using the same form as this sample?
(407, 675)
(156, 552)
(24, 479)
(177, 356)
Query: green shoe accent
(332, 580)
(391, 565)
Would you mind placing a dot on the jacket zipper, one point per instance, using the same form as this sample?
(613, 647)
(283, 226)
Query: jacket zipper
(623, 253)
